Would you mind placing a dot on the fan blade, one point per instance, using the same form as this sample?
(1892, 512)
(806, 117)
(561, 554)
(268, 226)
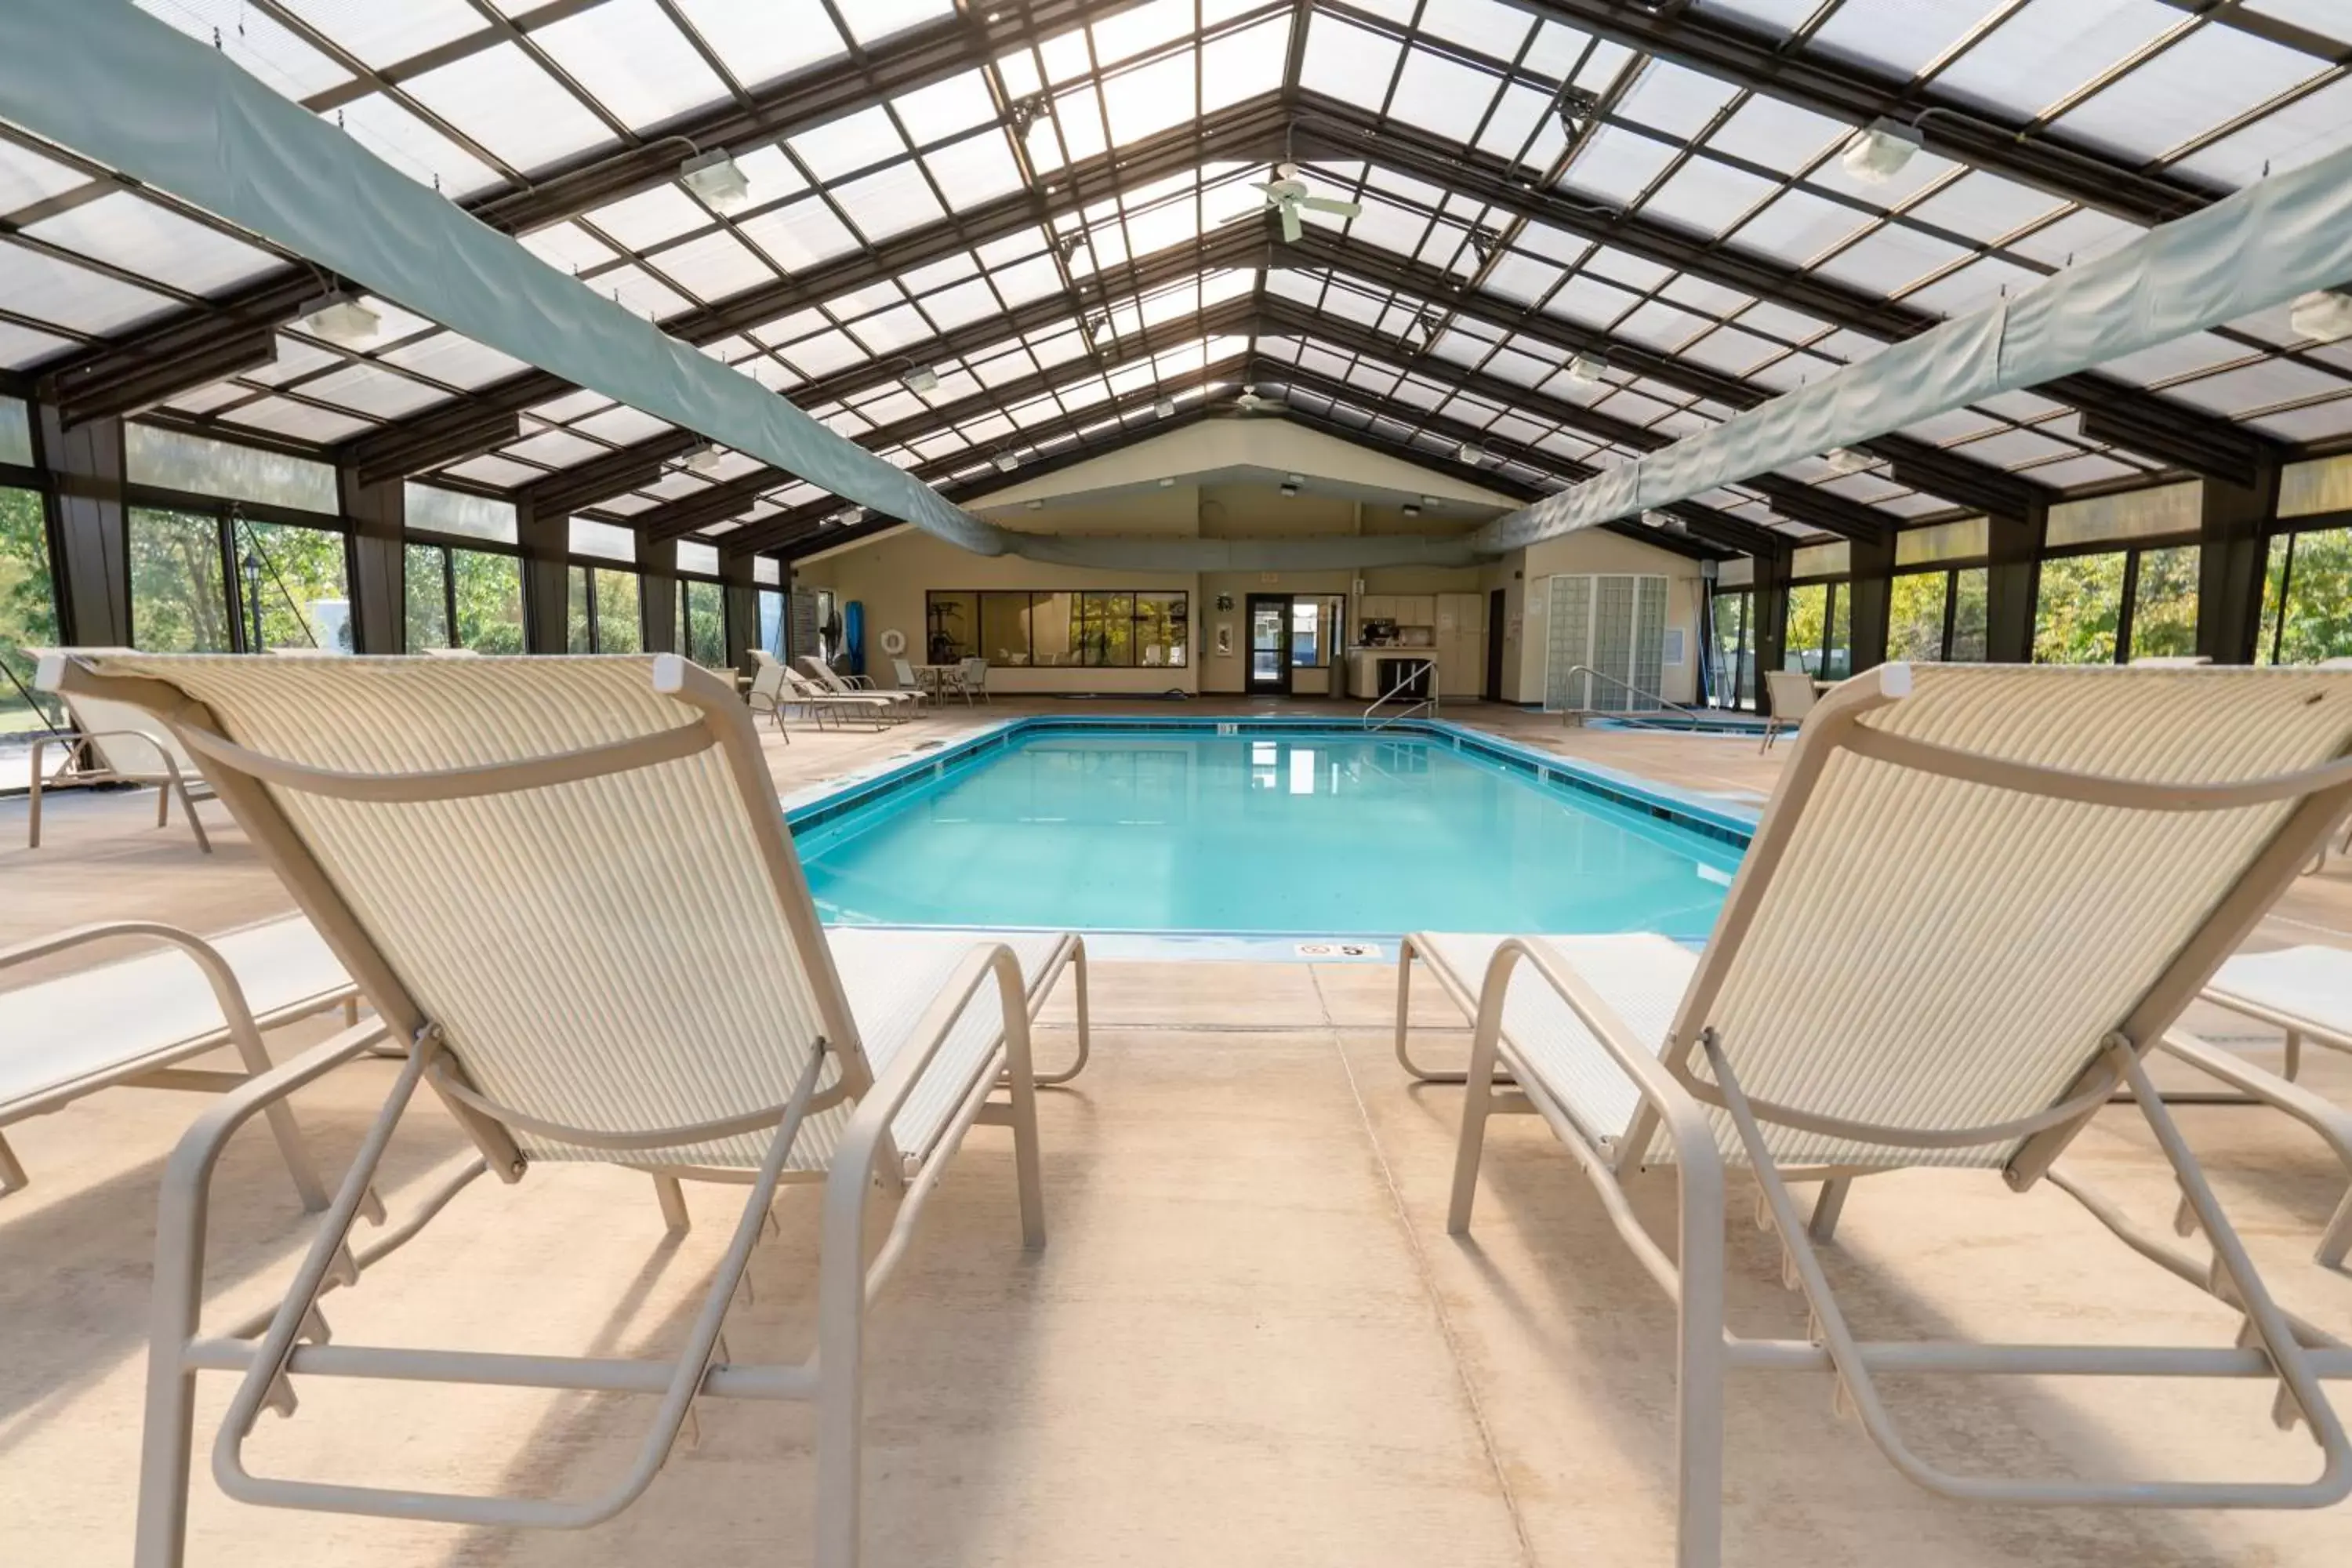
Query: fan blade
(1242, 217)
(1290, 229)
(1326, 204)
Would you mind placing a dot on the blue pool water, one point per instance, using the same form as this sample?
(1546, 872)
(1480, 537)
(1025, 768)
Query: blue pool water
(1311, 833)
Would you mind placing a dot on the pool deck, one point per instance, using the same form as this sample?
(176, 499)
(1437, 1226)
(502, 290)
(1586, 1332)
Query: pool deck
(1249, 1341)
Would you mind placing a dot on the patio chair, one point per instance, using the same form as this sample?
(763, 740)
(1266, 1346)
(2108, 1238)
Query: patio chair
(973, 679)
(830, 679)
(768, 694)
(904, 673)
(2307, 992)
(131, 1023)
(1978, 898)
(872, 707)
(115, 745)
(469, 837)
(1791, 695)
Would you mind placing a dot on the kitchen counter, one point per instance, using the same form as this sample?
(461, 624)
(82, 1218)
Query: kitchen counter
(1364, 664)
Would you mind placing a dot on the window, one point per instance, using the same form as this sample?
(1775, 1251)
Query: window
(603, 615)
(2117, 606)
(464, 598)
(1820, 639)
(301, 577)
(703, 621)
(772, 623)
(432, 510)
(1732, 676)
(28, 613)
(2307, 598)
(1108, 629)
(178, 460)
(1315, 621)
(179, 592)
(1935, 616)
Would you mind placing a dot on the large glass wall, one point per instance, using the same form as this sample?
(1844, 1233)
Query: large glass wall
(29, 611)
(2115, 605)
(302, 578)
(1115, 630)
(2307, 598)
(703, 621)
(1937, 616)
(1820, 638)
(464, 598)
(1731, 626)
(603, 616)
(179, 587)
(774, 624)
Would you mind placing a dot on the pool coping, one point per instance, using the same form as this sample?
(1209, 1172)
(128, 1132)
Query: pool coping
(1721, 820)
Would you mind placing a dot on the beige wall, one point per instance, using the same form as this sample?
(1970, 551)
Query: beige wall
(1595, 550)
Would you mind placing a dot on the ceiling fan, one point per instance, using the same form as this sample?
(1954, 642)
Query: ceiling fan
(1249, 402)
(1286, 194)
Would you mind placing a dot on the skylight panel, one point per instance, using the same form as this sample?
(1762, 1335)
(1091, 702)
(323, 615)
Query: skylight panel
(1523, 126)
(1973, 288)
(298, 420)
(2204, 82)
(153, 241)
(2320, 422)
(1707, 197)
(1660, 325)
(491, 470)
(295, 356)
(1731, 350)
(415, 148)
(1899, 39)
(1525, 369)
(1985, 206)
(2050, 48)
(959, 305)
(942, 109)
(456, 361)
(1559, 49)
(1026, 281)
(1520, 279)
(1443, 244)
(1161, 227)
(503, 100)
(61, 294)
(800, 235)
(1589, 300)
(2079, 236)
(387, 35)
(2197, 352)
(760, 41)
(2252, 388)
(1065, 56)
(1617, 164)
(1286, 283)
(1245, 64)
(1779, 135)
(713, 267)
(621, 425)
(1347, 62)
(892, 406)
(567, 247)
(1059, 348)
(1077, 126)
(649, 217)
(977, 168)
(203, 400)
(635, 289)
(1442, 95)
(874, 20)
(1798, 226)
(1152, 97)
(2288, 137)
(256, 41)
(633, 59)
(823, 354)
(555, 450)
(893, 329)
(366, 389)
(854, 142)
(1140, 28)
(27, 177)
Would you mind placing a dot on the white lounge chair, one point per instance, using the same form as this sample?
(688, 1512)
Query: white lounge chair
(1977, 896)
(1791, 694)
(2307, 992)
(769, 695)
(871, 707)
(130, 1023)
(116, 744)
(900, 704)
(904, 673)
(568, 885)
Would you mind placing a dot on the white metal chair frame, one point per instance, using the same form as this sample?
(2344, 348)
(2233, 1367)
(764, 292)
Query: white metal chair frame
(88, 765)
(1791, 695)
(294, 1339)
(158, 1068)
(896, 705)
(2273, 1344)
(816, 702)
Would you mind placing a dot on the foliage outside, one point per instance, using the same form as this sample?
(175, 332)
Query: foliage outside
(2077, 609)
(27, 614)
(2307, 609)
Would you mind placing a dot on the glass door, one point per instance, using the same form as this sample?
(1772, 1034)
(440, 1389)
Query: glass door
(1269, 645)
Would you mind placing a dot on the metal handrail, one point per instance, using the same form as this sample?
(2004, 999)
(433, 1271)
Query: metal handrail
(1569, 715)
(1427, 666)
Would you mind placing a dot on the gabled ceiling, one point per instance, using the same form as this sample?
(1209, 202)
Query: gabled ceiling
(1048, 207)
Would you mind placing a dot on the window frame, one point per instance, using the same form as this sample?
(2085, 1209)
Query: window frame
(225, 516)
(2131, 551)
(1081, 602)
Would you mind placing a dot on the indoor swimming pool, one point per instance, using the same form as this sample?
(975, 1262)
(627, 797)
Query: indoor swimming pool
(1262, 831)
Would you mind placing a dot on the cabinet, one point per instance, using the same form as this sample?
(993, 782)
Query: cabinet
(1376, 607)
(1461, 643)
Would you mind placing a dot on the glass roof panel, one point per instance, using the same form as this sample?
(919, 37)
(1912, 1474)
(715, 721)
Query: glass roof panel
(1343, 61)
(506, 102)
(415, 148)
(936, 112)
(2046, 52)
(871, 21)
(2201, 83)
(889, 201)
(1442, 95)
(1245, 64)
(633, 59)
(974, 170)
(255, 40)
(758, 40)
(141, 237)
(853, 142)
(799, 234)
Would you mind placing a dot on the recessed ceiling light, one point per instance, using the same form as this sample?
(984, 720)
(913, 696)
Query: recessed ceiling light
(2324, 317)
(1287, 488)
(1412, 509)
(1167, 483)
(1879, 152)
(922, 380)
(1036, 505)
(1429, 501)
(344, 321)
(716, 178)
(1296, 479)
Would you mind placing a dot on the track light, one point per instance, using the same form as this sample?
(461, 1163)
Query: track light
(342, 320)
(922, 381)
(1165, 407)
(1484, 243)
(1428, 323)
(1576, 108)
(1878, 152)
(2324, 316)
(1471, 453)
(1587, 369)
(1026, 112)
(1005, 462)
(1098, 329)
(716, 178)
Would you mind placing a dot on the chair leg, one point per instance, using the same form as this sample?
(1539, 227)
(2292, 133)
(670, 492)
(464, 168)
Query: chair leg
(163, 805)
(1478, 1098)
(1827, 1208)
(196, 823)
(33, 805)
(841, 1395)
(2293, 1054)
(1700, 1370)
(12, 1171)
(673, 1204)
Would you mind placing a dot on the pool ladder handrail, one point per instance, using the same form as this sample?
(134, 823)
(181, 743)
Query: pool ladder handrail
(1426, 667)
(1577, 715)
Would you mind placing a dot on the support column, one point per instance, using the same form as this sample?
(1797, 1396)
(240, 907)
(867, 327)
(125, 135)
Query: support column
(1770, 587)
(2012, 577)
(546, 545)
(1870, 588)
(658, 575)
(2233, 534)
(736, 570)
(92, 550)
(377, 517)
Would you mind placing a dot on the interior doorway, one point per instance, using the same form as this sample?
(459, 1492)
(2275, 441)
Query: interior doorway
(1269, 646)
(1492, 690)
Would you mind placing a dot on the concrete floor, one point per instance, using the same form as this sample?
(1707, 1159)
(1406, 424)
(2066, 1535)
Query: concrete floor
(1249, 1342)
